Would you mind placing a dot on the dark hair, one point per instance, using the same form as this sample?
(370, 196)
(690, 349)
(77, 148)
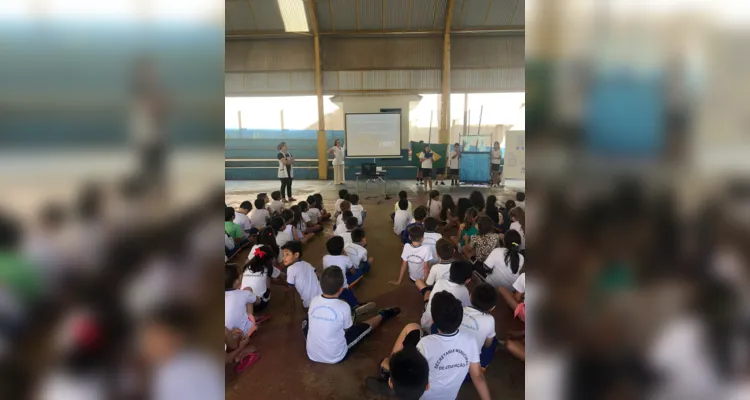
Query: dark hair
(444, 249)
(354, 199)
(276, 195)
(484, 297)
(402, 195)
(470, 216)
(346, 215)
(351, 223)
(288, 216)
(318, 200)
(463, 205)
(10, 232)
(448, 206)
(332, 280)
(89, 202)
(420, 213)
(509, 205)
(265, 263)
(345, 205)
(228, 214)
(409, 373)
(262, 196)
(297, 212)
(430, 224)
(520, 196)
(267, 237)
(416, 233)
(447, 311)
(312, 201)
(491, 209)
(295, 247)
(358, 234)
(277, 223)
(260, 204)
(433, 195)
(520, 216)
(512, 243)
(246, 205)
(343, 193)
(477, 200)
(403, 204)
(460, 271)
(485, 225)
(304, 206)
(231, 274)
(335, 245)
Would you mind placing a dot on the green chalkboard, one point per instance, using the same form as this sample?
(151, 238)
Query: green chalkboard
(438, 149)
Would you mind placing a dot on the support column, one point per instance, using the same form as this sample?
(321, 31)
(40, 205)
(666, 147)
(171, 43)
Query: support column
(322, 138)
(445, 98)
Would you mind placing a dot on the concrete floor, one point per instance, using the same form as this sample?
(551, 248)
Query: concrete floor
(285, 372)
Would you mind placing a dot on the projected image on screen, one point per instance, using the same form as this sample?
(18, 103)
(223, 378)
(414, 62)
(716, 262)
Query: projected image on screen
(373, 135)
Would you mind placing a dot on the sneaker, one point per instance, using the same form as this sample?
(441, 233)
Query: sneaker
(364, 308)
(291, 199)
(388, 313)
(379, 387)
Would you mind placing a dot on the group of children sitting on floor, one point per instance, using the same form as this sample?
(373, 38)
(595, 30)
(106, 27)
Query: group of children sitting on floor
(455, 339)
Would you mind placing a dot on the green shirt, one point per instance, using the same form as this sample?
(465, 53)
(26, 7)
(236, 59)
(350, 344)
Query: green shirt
(19, 276)
(233, 230)
(470, 232)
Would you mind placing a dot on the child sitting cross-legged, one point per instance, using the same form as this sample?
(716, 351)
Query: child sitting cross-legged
(450, 354)
(402, 216)
(238, 308)
(300, 228)
(283, 234)
(311, 226)
(345, 206)
(337, 258)
(343, 196)
(330, 331)
(460, 276)
(439, 271)
(258, 273)
(419, 215)
(415, 256)
(276, 206)
(357, 251)
(357, 209)
(431, 236)
(341, 228)
(324, 215)
(260, 216)
(300, 274)
(480, 324)
(350, 225)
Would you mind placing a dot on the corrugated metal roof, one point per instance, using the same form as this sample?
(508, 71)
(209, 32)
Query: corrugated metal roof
(396, 14)
(344, 14)
(484, 51)
(501, 12)
(254, 83)
(473, 13)
(412, 81)
(370, 14)
(369, 53)
(269, 55)
(488, 80)
(267, 15)
(238, 16)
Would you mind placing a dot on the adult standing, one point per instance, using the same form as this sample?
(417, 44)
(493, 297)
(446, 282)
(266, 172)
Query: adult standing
(496, 156)
(286, 172)
(454, 159)
(337, 151)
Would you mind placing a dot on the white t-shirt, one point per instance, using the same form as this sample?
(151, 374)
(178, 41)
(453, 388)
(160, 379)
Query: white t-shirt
(448, 356)
(337, 205)
(340, 218)
(252, 254)
(396, 209)
(458, 290)
(520, 283)
(284, 236)
(480, 325)
(302, 276)
(441, 270)
(259, 218)
(400, 221)
(275, 206)
(501, 275)
(435, 208)
(356, 253)
(189, 375)
(452, 162)
(427, 163)
(338, 155)
(326, 337)
(341, 261)
(340, 230)
(243, 221)
(430, 239)
(347, 237)
(496, 155)
(314, 215)
(516, 226)
(258, 281)
(357, 210)
(416, 257)
(235, 309)
(228, 242)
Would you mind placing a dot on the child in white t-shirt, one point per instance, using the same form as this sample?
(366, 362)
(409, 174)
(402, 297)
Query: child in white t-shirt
(426, 160)
(402, 217)
(430, 236)
(451, 353)
(415, 256)
(350, 225)
(311, 225)
(300, 274)
(330, 333)
(441, 270)
(341, 223)
(434, 206)
(343, 196)
(357, 210)
(276, 206)
(241, 218)
(504, 264)
(258, 274)
(480, 323)
(283, 234)
(357, 251)
(401, 196)
(460, 276)
(313, 212)
(518, 216)
(259, 216)
(238, 304)
(345, 206)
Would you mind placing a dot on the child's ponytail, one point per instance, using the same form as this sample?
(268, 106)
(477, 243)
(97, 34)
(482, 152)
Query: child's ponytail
(262, 261)
(512, 246)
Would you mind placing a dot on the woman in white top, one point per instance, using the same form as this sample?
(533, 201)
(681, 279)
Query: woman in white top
(286, 172)
(337, 151)
(505, 264)
(496, 156)
(454, 159)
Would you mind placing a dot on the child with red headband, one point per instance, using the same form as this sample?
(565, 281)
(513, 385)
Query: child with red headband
(258, 272)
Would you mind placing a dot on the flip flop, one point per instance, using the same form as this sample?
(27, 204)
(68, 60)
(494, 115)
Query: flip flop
(261, 318)
(247, 362)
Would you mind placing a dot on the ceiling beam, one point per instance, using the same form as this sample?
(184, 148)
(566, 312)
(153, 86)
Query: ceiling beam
(395, 32)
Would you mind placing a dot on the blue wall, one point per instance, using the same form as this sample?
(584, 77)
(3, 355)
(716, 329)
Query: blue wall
(251, 146)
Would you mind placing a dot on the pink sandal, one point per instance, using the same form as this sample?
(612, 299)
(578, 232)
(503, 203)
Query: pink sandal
(247, 362)
(260, 319)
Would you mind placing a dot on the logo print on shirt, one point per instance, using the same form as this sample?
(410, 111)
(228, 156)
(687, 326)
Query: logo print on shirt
(332, 318)
(473, 325)
(439, 363)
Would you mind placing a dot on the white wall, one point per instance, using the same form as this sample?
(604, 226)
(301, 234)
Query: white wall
(373, 104)
(515, 155)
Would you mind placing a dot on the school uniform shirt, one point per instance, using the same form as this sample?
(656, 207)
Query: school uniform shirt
(302, 276)
(396, 209)
(496, 156)
(228, 242)
(501, 275)
(459, 291)
(441, 270)
(347, 237)
(341, 261)
(276, 206)
(285, 171)
(258, 281)
(435, 208)
(516, 226)
(235, 309)
(357, 211)
(243, 221)
(340, 230)
(479, 324)
(328, 320)
(314, 215)
(448, 356)
(189, 375)
(337, 206)
(259, 218)
(400, 221)
(285, 236)
(250, 256)
(416, 256)
(427, 163)
(520, 284)
(453, 162)
(356, 253)
(430, 240)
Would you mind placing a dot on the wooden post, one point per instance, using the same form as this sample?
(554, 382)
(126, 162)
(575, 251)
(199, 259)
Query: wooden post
(322, 139)
(445, 98)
